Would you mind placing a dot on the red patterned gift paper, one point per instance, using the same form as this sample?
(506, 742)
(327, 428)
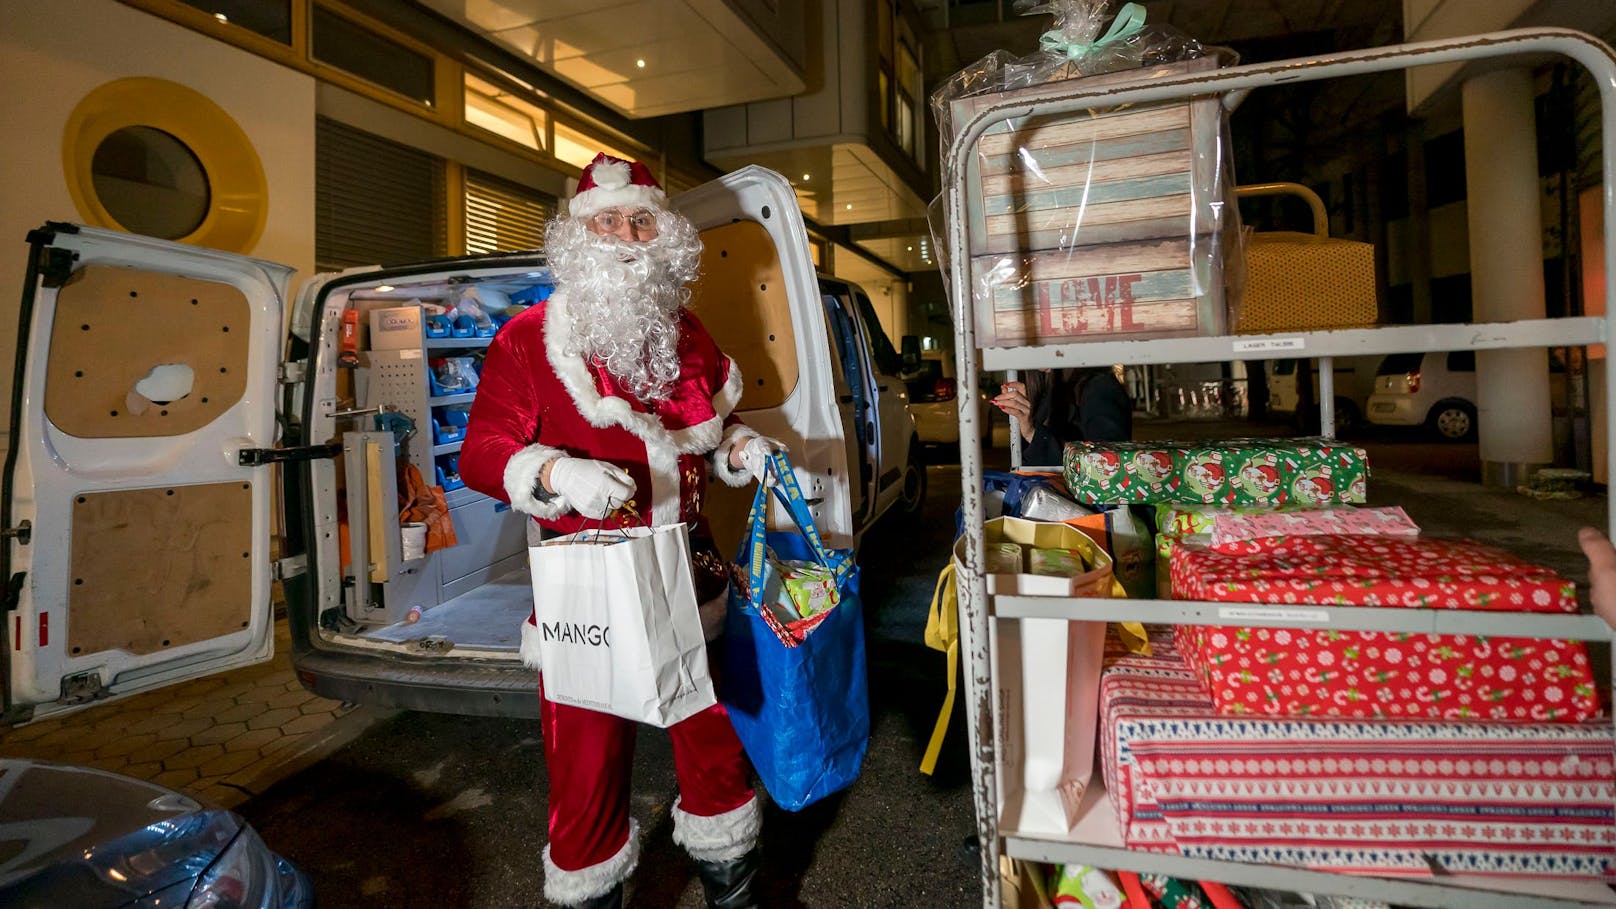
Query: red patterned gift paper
(1391, 797)
(1289, 672)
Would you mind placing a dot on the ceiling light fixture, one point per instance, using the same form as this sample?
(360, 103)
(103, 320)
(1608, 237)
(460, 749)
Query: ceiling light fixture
(640, 64)
(805, 178)
(849, 206)
(222, 18)
(384, 288)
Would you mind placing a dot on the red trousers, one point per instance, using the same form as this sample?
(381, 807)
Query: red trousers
(590, 757)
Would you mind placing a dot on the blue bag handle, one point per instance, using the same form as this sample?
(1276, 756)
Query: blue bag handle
(789, 493)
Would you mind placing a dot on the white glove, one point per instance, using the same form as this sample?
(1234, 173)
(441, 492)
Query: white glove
(594, 488)
(755, 458)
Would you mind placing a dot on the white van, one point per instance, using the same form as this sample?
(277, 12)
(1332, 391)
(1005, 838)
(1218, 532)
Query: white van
(163, 414)
(1354, 381)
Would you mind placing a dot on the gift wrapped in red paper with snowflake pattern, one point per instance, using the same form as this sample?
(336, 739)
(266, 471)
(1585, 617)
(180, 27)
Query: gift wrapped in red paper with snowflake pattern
(1292, 671)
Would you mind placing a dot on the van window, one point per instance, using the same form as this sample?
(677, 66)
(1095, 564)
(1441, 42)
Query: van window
(1397, 364)
(887, 360)
(1462, 361)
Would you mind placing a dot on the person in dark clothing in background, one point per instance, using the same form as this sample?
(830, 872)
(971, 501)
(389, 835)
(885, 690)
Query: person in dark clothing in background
(1056, 406)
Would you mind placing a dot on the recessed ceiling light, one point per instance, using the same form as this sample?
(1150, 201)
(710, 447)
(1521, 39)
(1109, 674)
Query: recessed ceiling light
(221, 17)
(804, 177)
(640, 64)
(384, 288)
(909, 249)
(849, 206)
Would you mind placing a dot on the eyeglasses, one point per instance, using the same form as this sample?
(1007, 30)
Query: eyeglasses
(611, 221)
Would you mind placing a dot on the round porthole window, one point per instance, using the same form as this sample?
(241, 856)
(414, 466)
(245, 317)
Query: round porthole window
(151, 182)
(159, 158)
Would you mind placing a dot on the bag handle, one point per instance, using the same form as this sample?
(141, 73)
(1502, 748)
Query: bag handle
(789, 493)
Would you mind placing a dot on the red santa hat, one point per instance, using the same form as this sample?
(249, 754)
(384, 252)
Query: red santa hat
(610, 182)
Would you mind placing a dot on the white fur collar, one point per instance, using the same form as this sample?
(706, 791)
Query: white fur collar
(603, 411)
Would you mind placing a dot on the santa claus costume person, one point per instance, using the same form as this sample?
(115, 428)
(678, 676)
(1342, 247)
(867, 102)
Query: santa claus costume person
(612, 393)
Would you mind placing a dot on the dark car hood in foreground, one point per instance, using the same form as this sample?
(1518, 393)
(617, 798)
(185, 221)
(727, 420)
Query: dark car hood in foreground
(96, 838)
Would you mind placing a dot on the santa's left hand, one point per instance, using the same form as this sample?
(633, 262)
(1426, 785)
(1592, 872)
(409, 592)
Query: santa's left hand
(754, 456)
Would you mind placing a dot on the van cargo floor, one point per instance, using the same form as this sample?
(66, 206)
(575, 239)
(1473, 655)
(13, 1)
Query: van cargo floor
(488, 617)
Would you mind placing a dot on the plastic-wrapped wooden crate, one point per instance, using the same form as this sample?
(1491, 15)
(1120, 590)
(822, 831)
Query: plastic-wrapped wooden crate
(1103, 224)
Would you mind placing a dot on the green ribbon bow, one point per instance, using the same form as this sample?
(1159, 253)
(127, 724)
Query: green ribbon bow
(1130, 21)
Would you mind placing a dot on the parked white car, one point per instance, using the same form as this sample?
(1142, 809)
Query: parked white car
(1436, 389)
(166, 413)
(934, 391)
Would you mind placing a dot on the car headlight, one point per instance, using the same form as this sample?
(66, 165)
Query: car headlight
(243, 876)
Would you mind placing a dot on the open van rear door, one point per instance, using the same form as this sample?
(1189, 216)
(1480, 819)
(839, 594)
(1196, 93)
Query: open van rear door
(759, 297)
(137, 549)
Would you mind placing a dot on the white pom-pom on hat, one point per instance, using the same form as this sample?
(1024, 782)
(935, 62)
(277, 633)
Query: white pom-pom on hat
(610, 182)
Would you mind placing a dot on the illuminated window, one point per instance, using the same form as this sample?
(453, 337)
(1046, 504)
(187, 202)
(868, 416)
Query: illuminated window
(373, 58)
(490, 107)
(503, 216)
(579, 148)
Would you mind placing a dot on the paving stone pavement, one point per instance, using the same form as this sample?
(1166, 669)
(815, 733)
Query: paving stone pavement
(220, 739)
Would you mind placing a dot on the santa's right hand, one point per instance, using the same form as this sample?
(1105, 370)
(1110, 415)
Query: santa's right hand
(593, 488)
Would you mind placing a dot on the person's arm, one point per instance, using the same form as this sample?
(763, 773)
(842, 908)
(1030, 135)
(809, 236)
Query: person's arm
(500, 457)
(1105, 413)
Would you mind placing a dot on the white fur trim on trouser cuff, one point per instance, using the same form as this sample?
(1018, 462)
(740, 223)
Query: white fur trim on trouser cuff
(722, 837)
(569, 888)
(528, 650)
(522, 472)
(736, 436)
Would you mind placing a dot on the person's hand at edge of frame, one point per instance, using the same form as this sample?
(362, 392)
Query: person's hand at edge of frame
(1601, 573)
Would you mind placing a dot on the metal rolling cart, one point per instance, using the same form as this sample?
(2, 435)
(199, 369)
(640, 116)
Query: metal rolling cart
(1095, 839)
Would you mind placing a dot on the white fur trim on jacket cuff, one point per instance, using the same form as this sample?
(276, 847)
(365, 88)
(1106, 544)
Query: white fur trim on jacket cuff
(735, 437)
(529, 649)
(522, 473)
(569, 888)
(720, 838)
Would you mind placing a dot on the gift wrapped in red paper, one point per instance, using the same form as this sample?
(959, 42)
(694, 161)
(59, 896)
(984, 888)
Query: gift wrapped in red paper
(1289, 672)
(1392, 797)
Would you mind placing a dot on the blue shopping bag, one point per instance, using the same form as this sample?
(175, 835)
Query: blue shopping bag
(797, 694)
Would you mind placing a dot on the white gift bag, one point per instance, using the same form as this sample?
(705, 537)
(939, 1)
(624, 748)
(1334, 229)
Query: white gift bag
(619, 627)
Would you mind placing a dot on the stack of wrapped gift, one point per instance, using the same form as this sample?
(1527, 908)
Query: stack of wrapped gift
(1389, 796)
(1248, 473)
(1299, 671)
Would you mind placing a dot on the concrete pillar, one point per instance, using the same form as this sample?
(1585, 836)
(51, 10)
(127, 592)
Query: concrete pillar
(1506, 271)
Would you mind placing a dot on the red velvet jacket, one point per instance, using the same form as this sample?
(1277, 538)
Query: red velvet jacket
(534, 404)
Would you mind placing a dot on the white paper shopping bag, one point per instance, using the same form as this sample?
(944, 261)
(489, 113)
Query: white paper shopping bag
(619, 628)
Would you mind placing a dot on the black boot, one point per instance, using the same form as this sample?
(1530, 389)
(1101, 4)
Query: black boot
(611, 899)
(729, 885)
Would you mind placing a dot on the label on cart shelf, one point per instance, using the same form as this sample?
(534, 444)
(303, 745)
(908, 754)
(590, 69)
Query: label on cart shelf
(411, 354)
(1262, 345)
(1238, 613)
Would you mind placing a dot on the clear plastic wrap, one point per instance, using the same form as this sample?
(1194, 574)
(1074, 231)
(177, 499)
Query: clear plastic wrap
(1108, 223)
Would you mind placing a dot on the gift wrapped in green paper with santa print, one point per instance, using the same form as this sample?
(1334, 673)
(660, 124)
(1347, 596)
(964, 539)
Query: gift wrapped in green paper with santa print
(1120, 472)
(1259, 473)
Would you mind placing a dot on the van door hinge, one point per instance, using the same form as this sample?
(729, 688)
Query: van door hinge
(258, 457)
(56, 266)
(293, 371)
(83, 687)
(289, 567)
(22, 532)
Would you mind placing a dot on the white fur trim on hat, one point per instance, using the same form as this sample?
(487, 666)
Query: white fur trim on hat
(722, 837)
(569, 888)
(613, 187)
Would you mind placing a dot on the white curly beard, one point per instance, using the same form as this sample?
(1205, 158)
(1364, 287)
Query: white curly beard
(625, 297)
